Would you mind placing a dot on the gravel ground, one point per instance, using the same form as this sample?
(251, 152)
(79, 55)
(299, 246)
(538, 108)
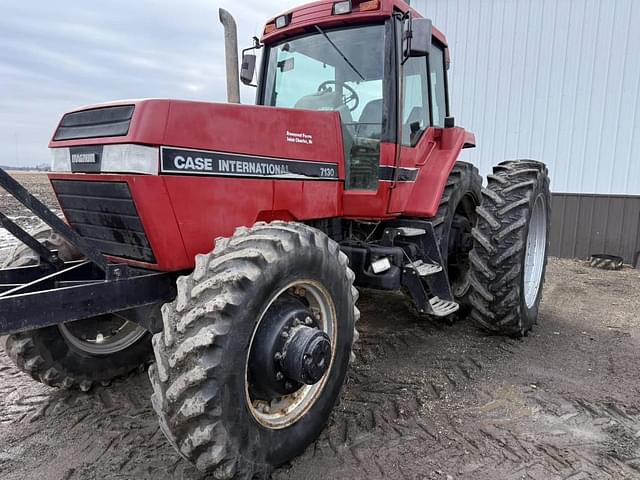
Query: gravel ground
(425, 400)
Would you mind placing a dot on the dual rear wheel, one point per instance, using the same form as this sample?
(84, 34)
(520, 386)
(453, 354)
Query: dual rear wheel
(495, 243)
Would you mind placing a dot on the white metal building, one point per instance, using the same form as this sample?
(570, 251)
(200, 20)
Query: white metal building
(559, 81)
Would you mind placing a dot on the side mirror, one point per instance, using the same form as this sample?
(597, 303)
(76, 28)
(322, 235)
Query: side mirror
(248, 70)
(418, 35)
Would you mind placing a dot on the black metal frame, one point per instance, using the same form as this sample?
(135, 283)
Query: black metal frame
(56, 292)
(421, 290)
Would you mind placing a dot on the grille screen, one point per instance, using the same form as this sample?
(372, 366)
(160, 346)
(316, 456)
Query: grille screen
(104, 214)
(99, 122)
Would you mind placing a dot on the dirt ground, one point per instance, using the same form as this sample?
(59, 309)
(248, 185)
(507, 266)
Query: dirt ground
(425, 400)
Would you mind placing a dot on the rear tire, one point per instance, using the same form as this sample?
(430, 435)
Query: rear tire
(453, 225)
(203, 394)
(58, 356)
(511, 243)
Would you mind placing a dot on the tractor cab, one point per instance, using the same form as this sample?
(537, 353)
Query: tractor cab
(377, 63)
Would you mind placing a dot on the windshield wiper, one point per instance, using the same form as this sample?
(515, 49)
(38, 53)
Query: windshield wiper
(337, 49)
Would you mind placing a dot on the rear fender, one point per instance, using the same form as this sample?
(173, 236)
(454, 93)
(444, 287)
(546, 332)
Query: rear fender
(425, 197)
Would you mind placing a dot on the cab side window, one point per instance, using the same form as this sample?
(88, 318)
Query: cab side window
(415, 113)
(438, 85)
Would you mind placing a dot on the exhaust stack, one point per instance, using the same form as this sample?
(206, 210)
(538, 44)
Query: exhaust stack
(231, 55)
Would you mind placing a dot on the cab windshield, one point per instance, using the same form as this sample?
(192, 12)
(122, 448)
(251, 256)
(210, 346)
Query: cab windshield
(339, 70)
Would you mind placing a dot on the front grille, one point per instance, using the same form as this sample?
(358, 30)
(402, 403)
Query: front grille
(99, 122)
(104, 213)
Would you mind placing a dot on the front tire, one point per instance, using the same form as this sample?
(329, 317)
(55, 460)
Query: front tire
(511, 244)
(218, 396)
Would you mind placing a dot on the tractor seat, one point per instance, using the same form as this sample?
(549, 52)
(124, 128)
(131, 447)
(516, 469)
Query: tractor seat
(326, 102)
(370, 123)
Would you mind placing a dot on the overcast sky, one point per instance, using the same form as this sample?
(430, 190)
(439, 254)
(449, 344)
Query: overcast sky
(59, 55)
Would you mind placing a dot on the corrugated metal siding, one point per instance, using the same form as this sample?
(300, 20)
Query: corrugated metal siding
(555, 80)
(583, 225)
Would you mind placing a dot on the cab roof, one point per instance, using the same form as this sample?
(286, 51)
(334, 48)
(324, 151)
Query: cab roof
(303, 18)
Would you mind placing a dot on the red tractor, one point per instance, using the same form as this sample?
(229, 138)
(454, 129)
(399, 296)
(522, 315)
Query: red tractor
(343, 175)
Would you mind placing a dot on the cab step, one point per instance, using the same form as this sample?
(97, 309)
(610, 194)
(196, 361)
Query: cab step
(443, 308)
(410, 232)
(425, 269)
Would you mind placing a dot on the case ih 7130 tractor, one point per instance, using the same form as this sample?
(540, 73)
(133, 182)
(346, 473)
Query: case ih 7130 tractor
(344, 175)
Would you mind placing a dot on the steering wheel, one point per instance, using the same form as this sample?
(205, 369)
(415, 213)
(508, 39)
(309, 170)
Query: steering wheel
(351, 98)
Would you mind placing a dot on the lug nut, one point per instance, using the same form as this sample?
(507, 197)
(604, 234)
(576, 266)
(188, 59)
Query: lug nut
(279, 376)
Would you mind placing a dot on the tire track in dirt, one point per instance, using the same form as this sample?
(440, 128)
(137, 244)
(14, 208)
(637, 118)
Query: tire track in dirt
(618, 426)
(568, 438)
(108, 433)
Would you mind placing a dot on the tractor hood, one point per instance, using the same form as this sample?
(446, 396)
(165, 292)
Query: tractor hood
(195, 137)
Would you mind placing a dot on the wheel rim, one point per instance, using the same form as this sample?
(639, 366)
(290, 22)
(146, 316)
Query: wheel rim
(535, 252)
(101, 336)
(282, 412)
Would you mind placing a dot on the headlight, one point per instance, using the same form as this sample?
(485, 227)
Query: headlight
(283, 21)
(61, 161)
(342, 8)
(130, 159)
(126, 158)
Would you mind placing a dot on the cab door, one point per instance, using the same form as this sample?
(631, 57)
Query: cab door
(423, 116)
